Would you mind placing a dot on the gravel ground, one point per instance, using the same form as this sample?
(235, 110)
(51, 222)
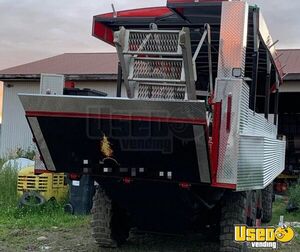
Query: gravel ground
(80, 239)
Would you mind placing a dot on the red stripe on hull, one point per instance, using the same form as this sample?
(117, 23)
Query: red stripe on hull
(115, 117)
(222, 185)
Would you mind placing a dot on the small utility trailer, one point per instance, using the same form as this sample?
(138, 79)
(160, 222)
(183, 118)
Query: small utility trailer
(193, 146)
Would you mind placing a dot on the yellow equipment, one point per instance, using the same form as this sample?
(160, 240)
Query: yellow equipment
(43, 187)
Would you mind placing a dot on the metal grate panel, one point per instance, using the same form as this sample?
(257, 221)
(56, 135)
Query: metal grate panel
(156, 69)
(158, 92)
(159, 57)
(233, 38)
(229, 139)
(153, 42)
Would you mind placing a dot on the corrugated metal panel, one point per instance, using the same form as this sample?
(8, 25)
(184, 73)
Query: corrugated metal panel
(244, 107)
(252, 123)
(258, 125)
(15, 132)
(250, 155)
(261, 156)
(261, 159)
(1, 96)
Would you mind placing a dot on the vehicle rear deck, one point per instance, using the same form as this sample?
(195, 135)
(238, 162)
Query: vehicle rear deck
(195, 15)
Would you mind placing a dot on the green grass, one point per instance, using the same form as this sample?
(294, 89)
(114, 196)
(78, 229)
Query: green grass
(279, 208)
(46, 216)
(294, 195)
(8, 186)
(20, 227)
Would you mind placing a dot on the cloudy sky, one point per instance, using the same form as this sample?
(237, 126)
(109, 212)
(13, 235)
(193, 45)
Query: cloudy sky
(35, 29)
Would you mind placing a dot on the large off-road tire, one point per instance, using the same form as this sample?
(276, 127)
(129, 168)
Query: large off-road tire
(267, 203)
(236, 208)
(110, 224)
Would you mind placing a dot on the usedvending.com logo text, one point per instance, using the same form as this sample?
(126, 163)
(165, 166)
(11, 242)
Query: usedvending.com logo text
(263, 237)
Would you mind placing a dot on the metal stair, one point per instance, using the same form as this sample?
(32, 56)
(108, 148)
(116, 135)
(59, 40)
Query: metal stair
(157, 64)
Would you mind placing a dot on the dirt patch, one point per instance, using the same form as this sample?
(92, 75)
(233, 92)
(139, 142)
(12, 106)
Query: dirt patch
(80, 239)
(76, 239)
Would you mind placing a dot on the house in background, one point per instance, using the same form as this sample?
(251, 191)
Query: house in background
(88, 70)
(289, 109)
(96, 71)
(290, 61)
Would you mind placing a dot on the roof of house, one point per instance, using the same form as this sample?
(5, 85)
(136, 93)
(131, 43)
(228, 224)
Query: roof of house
(290, 60)
(74, 65)
(95, 66)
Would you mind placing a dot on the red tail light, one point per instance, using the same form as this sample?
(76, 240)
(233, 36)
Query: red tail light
(74, 176)
(127, 180)
(185, 185)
